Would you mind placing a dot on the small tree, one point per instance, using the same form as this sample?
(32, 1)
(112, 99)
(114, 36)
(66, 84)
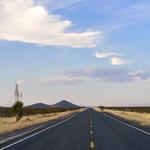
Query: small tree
(18, 110)
(18, 105)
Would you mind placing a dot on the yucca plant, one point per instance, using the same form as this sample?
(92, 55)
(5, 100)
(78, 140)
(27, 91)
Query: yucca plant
(18, 105)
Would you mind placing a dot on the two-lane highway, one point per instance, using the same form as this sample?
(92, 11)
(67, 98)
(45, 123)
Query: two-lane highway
(86, 131)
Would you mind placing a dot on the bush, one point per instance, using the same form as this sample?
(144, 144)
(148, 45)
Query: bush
(102, 108)
(18, 110)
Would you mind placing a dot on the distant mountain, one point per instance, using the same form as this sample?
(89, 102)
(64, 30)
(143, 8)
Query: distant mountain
(64, 104)
(38, 105)
(61, 104)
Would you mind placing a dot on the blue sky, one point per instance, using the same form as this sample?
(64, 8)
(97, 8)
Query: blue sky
(87, 52)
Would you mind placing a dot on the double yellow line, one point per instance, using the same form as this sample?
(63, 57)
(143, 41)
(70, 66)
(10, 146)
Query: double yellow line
(92, 143)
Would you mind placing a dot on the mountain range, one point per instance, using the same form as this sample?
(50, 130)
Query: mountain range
(61, 104)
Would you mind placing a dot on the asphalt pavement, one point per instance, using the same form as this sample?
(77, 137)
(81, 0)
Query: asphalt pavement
(88, 130)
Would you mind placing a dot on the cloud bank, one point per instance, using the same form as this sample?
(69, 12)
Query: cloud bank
(116, 75)
(26, 22)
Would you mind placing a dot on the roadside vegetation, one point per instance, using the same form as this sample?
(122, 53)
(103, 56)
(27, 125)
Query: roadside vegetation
(131, 109)
(33, 117)
(8, 112)
(140, 115)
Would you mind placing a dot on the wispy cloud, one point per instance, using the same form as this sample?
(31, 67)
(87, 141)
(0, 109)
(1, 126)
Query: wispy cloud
(26, 22)
(117, 75)
(103, 54)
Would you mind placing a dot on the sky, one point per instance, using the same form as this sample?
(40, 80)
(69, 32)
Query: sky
(87, 52)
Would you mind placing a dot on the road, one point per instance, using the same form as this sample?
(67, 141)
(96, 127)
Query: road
(88, 130)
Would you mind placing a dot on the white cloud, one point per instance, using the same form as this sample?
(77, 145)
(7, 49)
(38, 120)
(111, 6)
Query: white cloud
(141, 74)
(26, 22)
(118, 61)
(102, 54)
(115, 58)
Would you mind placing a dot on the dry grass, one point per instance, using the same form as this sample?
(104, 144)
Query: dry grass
(141, 118)
(10, 124)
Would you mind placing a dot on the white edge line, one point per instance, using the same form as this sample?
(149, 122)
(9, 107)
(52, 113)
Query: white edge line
(20, 135)
(54, 125)
(133, 127)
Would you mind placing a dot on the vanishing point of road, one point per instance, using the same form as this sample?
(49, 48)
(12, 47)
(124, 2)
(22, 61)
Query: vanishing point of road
(87, 130)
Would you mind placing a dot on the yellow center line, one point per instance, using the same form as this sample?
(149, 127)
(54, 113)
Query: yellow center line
(92, 145)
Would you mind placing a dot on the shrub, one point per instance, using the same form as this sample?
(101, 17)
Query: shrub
(102, 108)
(18, 110)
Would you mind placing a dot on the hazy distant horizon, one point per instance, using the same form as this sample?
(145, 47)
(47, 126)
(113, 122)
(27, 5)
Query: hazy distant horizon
(89, 53)
(85, 105)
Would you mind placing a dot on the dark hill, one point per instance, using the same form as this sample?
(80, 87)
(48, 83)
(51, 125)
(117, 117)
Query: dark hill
(38, 105)
(64, 104)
